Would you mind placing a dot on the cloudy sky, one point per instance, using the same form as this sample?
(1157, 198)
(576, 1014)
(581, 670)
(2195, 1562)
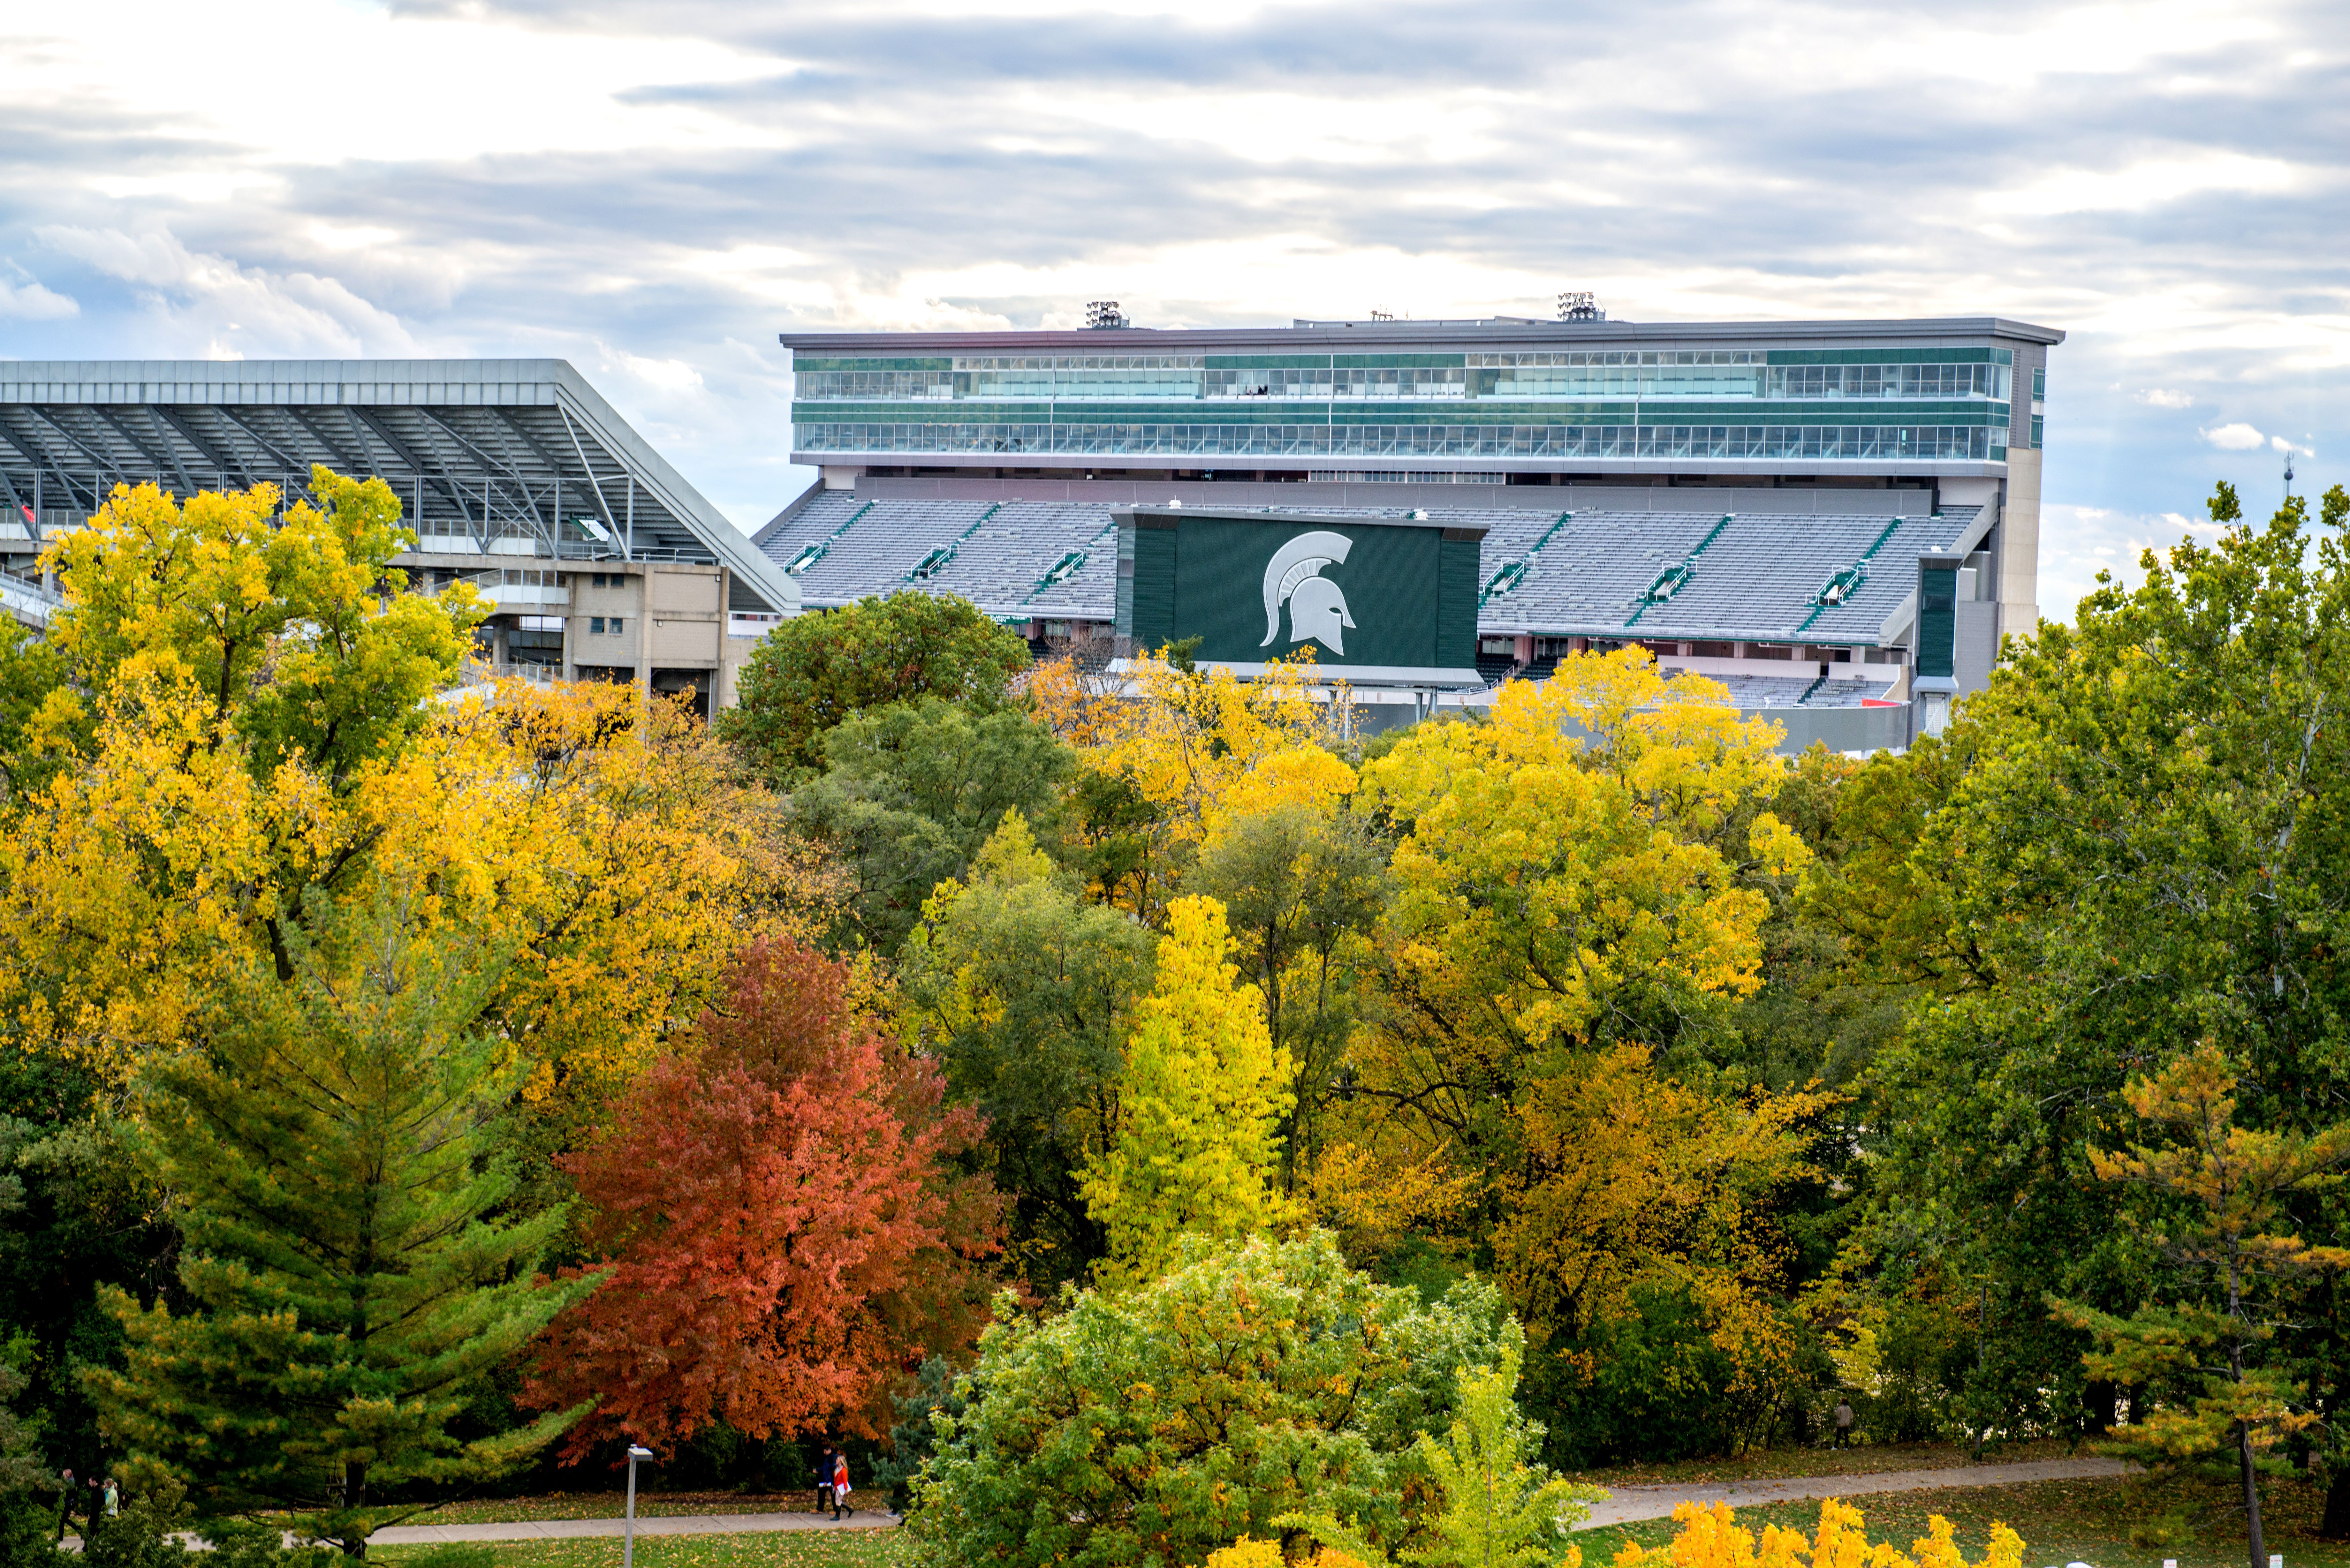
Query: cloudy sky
(654, 190)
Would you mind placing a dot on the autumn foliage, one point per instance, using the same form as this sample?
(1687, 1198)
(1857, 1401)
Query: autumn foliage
(783, 1237)
(1712, 1537)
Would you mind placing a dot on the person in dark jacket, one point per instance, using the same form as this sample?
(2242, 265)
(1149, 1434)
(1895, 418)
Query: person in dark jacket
(824, 1479)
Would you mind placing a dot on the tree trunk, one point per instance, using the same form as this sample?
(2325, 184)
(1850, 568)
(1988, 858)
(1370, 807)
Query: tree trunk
(2336, 1526)
(355, 1496)
(2259, 1551)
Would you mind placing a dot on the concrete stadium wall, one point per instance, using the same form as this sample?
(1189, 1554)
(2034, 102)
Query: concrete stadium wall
(1862, 730)
(1839, 729)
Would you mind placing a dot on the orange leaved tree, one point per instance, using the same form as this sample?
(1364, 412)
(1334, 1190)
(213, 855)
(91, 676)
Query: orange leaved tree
(783, 1231)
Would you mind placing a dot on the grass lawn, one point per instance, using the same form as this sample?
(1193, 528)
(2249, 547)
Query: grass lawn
(1874, 1459)
(2061, 1521)
(777, 1549)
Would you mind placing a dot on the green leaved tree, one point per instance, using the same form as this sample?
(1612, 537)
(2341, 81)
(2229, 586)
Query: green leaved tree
(912, 791)
(814, 670)
(2130, 841)
(1024, 992)
(1198, 1144)
(2217, 1190)
(346, 1275)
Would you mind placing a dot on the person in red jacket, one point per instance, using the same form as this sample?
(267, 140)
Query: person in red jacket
(841, 1487)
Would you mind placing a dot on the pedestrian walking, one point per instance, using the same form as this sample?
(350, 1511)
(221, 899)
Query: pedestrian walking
(824, 1479)
(65, 1501)
(113, 1499)
(1843, 1421)
(841, 1487)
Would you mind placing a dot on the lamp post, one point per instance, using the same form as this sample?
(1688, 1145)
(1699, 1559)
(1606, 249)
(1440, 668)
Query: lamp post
(629, 1531)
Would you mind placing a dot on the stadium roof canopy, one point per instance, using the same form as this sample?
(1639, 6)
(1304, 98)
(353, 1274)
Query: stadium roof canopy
(491, 457)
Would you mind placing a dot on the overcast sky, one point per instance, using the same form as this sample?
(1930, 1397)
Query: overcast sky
(654, 190)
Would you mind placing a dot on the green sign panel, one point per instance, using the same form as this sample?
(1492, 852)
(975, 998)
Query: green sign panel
(1386, 600)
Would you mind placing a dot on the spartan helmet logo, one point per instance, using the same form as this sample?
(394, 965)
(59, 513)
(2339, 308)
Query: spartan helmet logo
(1317, 609)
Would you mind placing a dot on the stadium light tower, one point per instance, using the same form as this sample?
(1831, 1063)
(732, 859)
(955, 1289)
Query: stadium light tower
(1104, 313)
(1579, 305)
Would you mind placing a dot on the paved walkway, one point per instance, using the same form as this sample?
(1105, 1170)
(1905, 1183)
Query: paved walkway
(1626, 1503)
(674, 1524)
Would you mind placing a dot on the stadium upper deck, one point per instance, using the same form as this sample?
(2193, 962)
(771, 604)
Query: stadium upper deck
(1732, 495)
(1485, 415)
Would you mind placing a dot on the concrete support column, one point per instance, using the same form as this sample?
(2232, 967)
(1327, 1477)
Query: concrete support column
(2019, 543)
(719, 677)
(643, 577)
(570, 666)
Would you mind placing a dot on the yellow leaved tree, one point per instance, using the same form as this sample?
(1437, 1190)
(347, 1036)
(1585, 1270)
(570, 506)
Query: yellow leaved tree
(1575, 892)
(247, 718)
(1171, 756)
(1196, 1146)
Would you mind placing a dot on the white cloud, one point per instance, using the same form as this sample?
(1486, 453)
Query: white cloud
(2235, 437)
(2280, 444)
(212, 306)
(2136, 187)
(460, 86)
(671, 375)
(2163, 397)
(28, 301)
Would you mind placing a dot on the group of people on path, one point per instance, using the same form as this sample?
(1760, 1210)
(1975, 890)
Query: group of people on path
(98, 1498)
(832, 1488)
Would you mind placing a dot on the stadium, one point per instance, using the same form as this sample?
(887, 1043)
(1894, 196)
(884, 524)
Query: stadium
(1837, 520)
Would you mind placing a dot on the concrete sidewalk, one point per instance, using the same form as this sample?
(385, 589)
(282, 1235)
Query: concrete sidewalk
(1626, 1503)
(673, 1524)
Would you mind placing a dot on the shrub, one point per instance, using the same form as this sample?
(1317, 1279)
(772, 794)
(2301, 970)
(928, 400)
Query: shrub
(1711, 1538)
(1156, 1425)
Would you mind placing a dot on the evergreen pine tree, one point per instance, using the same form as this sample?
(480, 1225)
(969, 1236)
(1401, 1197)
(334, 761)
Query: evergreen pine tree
(2217, 1193)
(347, 1274)
(1199, 1109)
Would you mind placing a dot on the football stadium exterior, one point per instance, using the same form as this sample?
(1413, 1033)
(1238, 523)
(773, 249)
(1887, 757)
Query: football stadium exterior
(1839, 519)
(1836, 519)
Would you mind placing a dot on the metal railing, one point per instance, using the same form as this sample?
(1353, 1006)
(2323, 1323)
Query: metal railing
(29, 601)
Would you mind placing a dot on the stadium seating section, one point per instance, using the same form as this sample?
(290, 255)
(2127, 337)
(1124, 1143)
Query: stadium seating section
(1760, 578)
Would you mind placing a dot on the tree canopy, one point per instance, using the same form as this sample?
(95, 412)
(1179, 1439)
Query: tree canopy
(1154, 1425)
(812, 672)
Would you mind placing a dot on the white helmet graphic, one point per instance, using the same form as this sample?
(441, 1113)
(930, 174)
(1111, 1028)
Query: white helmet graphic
(1318, 607)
